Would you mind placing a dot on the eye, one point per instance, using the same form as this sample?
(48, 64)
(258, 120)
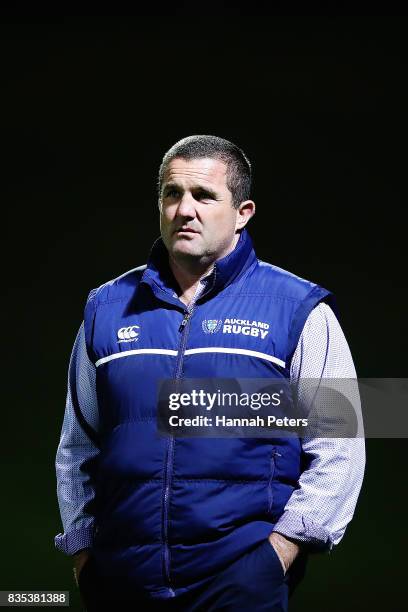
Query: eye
(203, 195)
(171, 193)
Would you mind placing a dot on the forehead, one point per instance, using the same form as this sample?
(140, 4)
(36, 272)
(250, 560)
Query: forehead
(196, 171)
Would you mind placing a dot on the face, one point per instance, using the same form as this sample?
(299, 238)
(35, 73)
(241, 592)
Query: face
(198, 223)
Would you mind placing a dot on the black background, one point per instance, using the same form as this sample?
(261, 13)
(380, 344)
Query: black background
(90, 105)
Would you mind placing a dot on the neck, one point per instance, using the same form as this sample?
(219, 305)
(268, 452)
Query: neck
(187, 279)
(189, 274)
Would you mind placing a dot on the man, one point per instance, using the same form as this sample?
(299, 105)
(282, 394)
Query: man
(194, 524)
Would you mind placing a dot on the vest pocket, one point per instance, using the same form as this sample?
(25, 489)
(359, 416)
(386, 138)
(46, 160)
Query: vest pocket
(272, 460)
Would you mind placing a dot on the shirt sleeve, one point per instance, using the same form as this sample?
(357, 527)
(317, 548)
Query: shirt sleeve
(319, 510)
(77, 453)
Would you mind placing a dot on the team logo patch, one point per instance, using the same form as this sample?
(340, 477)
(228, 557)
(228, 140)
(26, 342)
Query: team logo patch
(211, 326)
(129, 334)
(246, 327)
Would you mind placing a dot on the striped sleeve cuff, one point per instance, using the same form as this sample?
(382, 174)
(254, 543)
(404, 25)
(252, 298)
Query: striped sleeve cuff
(72, 541)
(303, 529)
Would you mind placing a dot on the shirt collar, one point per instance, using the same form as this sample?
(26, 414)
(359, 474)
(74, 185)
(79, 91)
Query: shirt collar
(224, 271)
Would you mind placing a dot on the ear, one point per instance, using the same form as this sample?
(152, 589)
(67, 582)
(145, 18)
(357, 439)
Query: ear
(245, 211)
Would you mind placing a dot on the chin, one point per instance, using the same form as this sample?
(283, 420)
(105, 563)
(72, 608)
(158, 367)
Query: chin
(183, 246)
(185, 251)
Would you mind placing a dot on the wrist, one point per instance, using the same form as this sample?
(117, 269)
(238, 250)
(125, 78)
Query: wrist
(279, 537)
(79, 552)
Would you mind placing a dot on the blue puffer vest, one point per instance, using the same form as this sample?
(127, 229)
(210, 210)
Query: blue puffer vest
(172, 512)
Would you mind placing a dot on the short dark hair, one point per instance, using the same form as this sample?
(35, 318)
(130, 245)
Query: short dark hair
(197, 147)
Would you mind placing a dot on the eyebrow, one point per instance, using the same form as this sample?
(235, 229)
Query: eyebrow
(210, 192)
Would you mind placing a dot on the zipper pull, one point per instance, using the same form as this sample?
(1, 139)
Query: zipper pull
(184, 321)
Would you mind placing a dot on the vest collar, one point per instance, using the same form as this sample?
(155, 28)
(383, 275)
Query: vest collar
(159, 276)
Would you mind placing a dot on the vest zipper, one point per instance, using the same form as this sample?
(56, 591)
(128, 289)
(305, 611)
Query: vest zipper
(183, 329)
(169, 460)
(274, 454)
(184, 322)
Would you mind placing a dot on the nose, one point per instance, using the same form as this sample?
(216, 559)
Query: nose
(186, 207)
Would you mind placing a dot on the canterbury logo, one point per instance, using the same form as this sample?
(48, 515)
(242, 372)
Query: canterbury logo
(128, 334)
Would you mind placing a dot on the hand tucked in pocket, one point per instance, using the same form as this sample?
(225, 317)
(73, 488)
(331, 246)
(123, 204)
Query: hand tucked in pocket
(286, 550)
(80, 558)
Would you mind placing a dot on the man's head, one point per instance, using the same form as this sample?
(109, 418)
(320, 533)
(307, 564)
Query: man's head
(204, 188)
(198, 147)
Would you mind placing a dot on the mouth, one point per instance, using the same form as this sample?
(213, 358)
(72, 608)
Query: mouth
(185, 230)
